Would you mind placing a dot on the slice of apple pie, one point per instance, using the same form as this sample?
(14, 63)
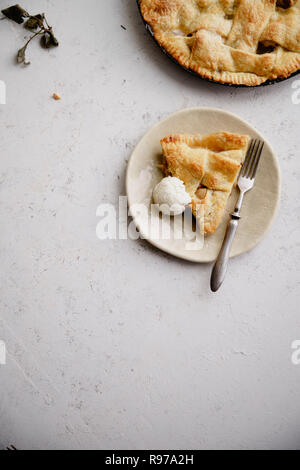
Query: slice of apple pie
(209, 167)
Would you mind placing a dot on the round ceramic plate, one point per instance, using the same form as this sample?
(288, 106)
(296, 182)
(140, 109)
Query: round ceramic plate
(260, 205)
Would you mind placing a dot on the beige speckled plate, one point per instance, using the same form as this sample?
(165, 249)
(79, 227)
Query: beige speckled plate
(260, 205)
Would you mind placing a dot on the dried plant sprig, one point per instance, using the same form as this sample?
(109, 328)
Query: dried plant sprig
(37, 24)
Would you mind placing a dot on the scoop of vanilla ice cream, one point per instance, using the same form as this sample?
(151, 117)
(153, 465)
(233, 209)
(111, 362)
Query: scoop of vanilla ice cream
(171, 196)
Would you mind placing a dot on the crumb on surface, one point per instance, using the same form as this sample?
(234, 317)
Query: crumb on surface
(56, 97)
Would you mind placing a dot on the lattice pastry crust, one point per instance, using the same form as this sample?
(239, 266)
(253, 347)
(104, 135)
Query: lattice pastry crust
(209, 167)
(241, 42)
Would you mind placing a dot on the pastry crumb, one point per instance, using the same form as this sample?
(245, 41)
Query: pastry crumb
(56, 97)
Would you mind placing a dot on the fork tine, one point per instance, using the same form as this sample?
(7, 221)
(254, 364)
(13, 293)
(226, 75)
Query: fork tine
(257, 160)
(252, 158)
(248, 157)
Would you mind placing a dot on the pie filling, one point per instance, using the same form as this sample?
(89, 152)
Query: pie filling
(231, 41)
(209, 167)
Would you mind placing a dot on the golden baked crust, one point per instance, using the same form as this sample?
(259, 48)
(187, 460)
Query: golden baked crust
(209, 167)
(240, 42)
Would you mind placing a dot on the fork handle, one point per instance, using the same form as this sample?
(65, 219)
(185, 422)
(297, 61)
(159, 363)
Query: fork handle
(221, 265)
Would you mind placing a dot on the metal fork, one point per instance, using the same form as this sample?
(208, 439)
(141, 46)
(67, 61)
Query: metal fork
(245, 183)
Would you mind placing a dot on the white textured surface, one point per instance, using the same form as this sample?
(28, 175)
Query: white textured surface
(113, 344)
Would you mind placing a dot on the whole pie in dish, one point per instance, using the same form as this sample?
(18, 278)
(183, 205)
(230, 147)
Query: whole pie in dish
(209, 167)
(239, 42)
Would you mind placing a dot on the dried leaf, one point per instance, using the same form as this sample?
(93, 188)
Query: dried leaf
(34, 22)
(49, 40)
(15, 13)
(21, 57)
(37, 24)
